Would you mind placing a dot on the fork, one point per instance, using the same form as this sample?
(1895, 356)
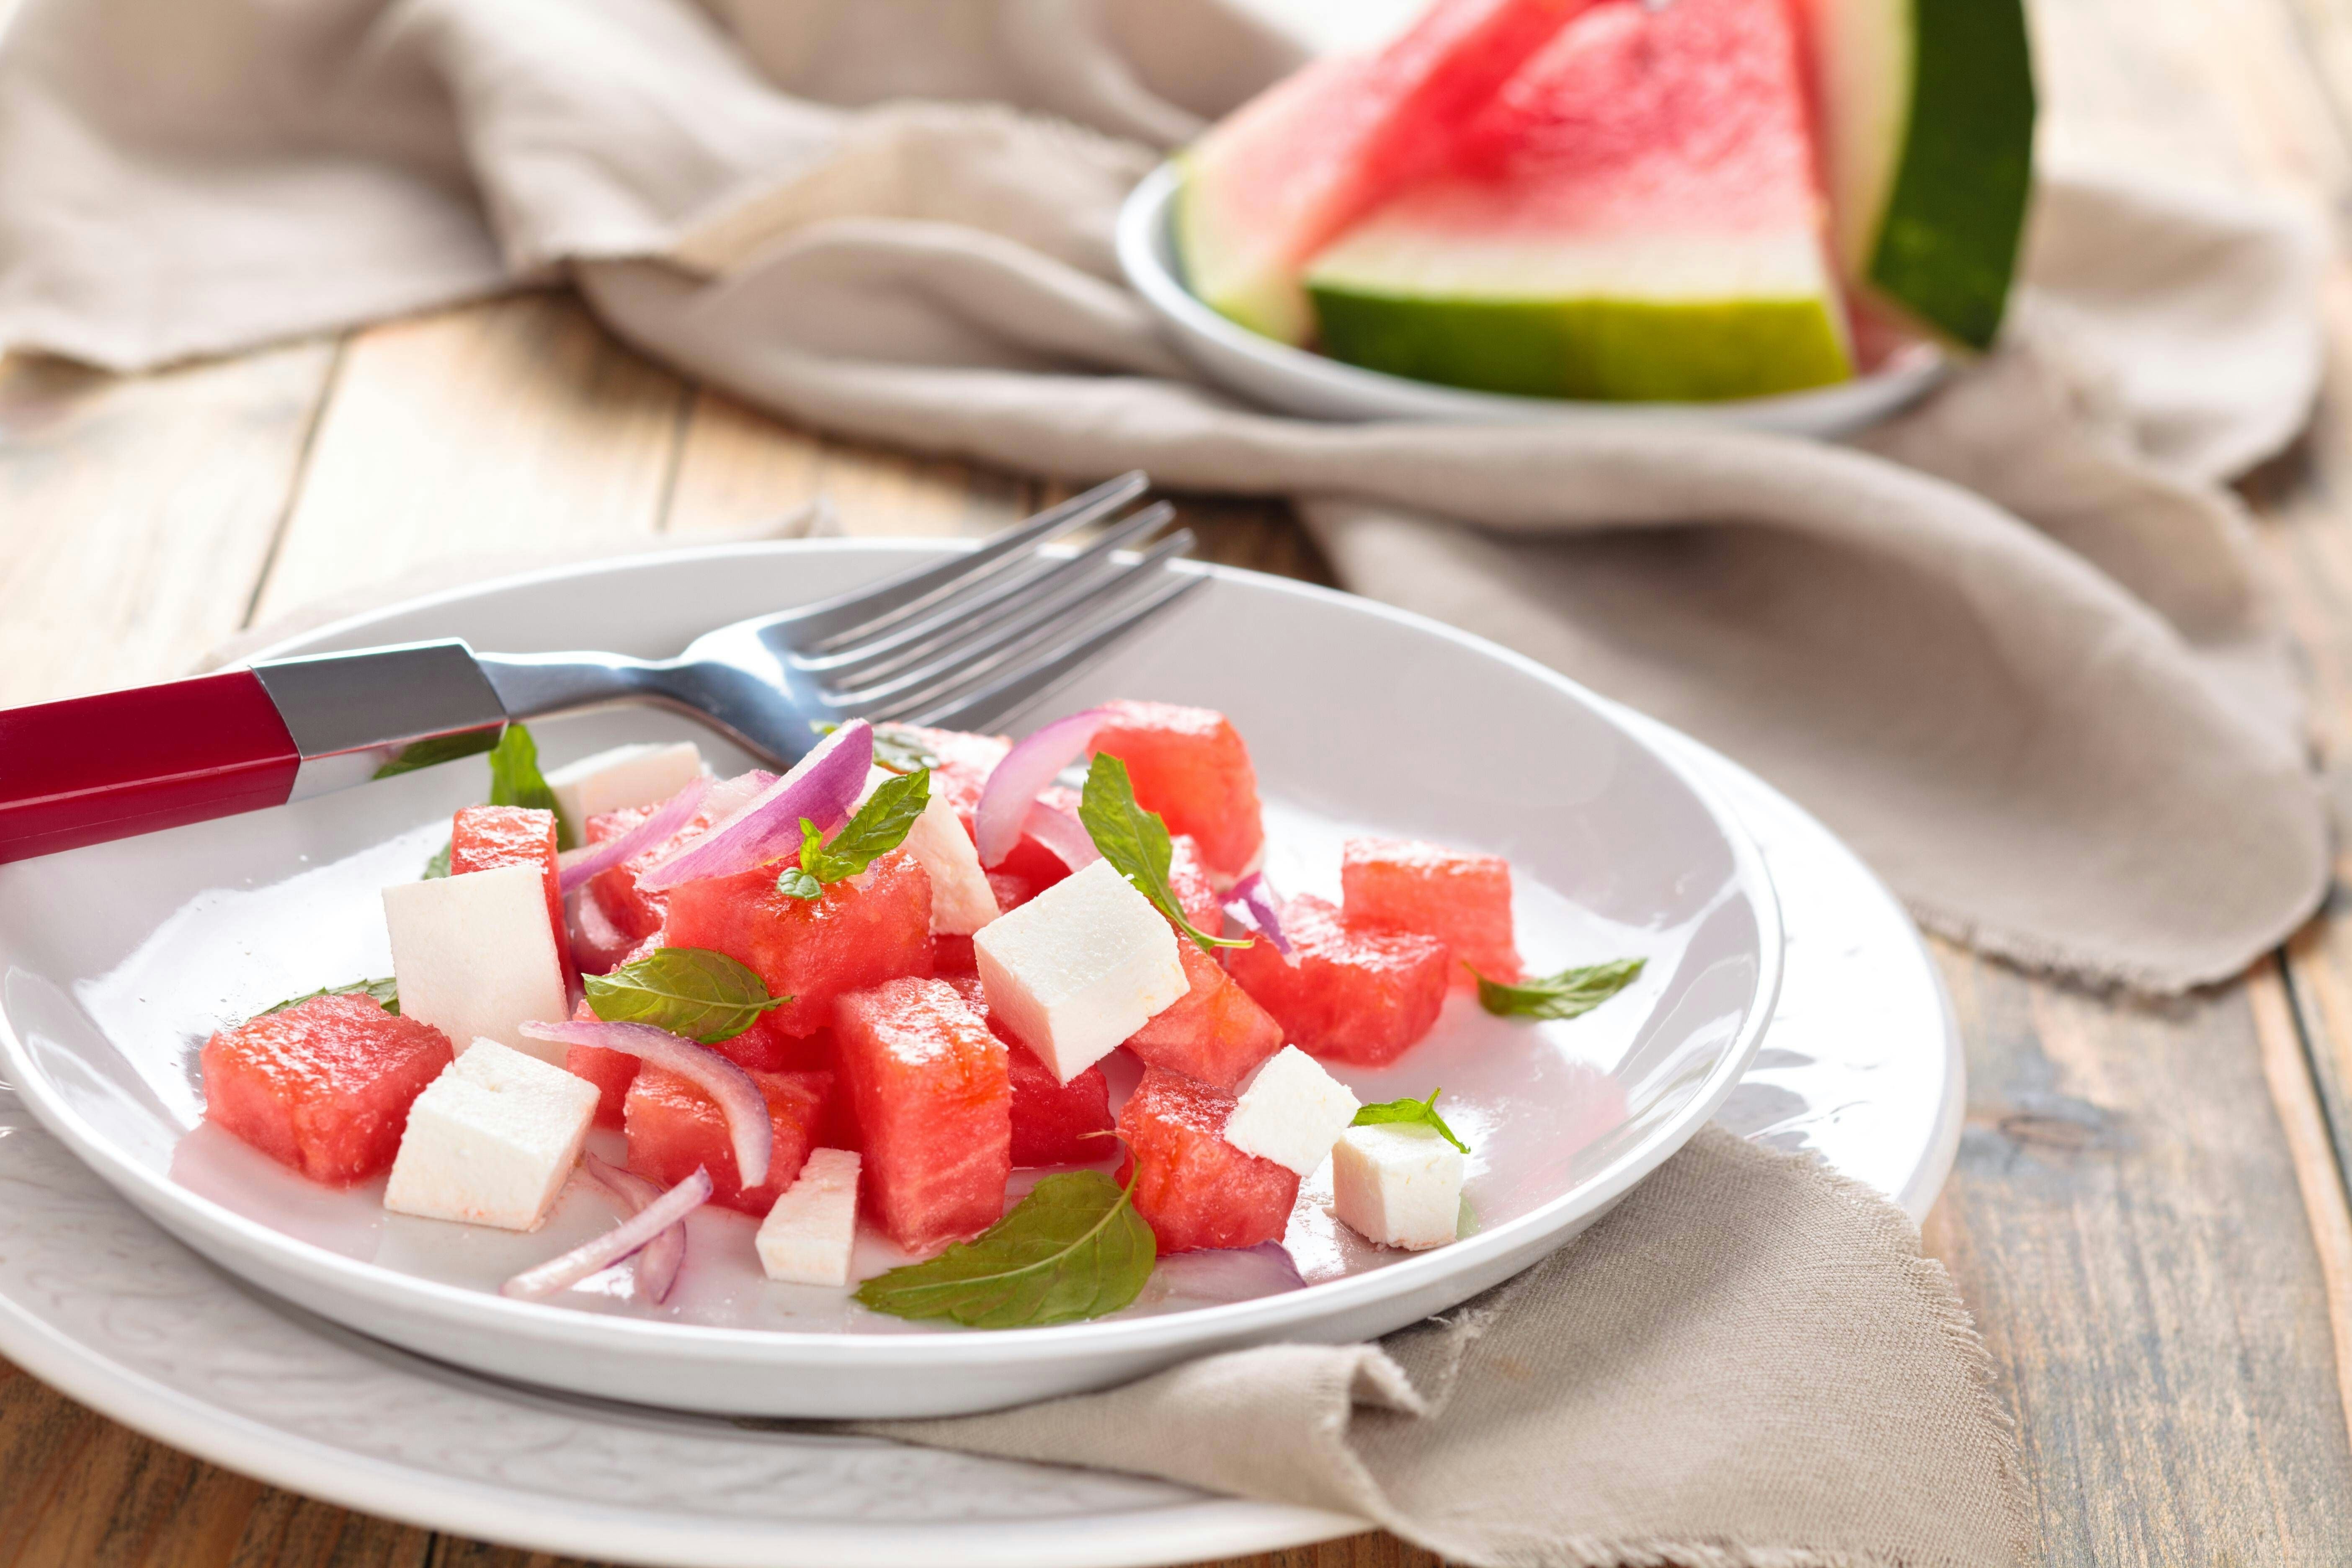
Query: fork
(960, 644)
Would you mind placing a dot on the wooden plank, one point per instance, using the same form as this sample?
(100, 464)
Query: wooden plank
(2319, 1175)
(136, 512)
(518, 427)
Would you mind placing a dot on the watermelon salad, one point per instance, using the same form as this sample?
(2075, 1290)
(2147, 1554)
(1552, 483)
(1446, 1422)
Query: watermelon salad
(1680, 200)
(868, 993)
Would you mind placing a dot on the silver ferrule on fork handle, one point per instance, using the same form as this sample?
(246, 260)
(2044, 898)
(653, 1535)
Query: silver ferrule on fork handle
(360, 716)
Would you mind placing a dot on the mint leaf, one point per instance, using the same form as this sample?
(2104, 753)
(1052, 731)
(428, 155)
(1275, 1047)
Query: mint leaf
(1568, 995)
(1409, 1110)
(515, 780)
(384, 992)
(895, 747)
(689, 991)
(435, 750)
(880, 826)
(439, 864)
(1073, 1249)
(1136, 843)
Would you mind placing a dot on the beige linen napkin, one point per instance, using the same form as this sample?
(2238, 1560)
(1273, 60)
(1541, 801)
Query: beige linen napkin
(2011, 645)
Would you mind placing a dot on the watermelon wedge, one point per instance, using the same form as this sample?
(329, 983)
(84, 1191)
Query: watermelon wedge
(1269, 186)
(1635, 215)
(1926, 118)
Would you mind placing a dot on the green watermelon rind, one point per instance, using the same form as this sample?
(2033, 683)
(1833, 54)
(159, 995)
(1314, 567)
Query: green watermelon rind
(1600, 349)
(1278, 308)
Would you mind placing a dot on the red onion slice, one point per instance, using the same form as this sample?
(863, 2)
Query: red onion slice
(1253, 904)
(595, 1256)
(576, 865)
(823, 788)
(1026, 770)
(661, 1258)
(739, 1100)
(1063, 833)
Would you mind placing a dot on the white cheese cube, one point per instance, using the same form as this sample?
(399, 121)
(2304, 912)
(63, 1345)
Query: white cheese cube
(1292, 1112)
(491, 1139)
(807, 1237)
(642, 775)
(1080, 967)
(475, 956)
(961, 899)
(1398, 1184)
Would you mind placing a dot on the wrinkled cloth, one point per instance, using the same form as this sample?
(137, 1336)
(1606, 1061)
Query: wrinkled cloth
(2013, 644)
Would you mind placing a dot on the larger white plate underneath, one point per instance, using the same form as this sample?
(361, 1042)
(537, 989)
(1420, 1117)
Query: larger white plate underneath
(1861, 1065)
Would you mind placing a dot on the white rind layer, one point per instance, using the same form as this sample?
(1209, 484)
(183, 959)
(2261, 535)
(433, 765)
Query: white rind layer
(1864, 65)
(1421, 253)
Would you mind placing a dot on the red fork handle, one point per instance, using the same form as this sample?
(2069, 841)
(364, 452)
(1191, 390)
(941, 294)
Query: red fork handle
(95, 768)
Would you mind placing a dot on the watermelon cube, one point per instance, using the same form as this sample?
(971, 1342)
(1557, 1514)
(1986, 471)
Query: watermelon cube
(1347, 992)
(1215, 1032)
(1194, 1189)
(635, 910)
(857, 932)
(931, 1089)
(1458, 895)
(611, 1072)
(485, 837)
(1054, 1123)
(1189, 879)
(1030, 862)
(965, 761)
(672, 1127)
(1188, 764)
(323, 1088)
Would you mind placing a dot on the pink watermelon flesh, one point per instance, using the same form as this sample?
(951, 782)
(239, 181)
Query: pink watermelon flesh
(931, 1089)
(1346, 993)
(965, 761)
(486, 838)
(323, 1088)
(1195, 1190)
(859, 932)
(1278, 179)
(674, 1126)
(1458, 895)
(611, 1072)
(1187, 878)
(1190, 766)
(1054, 1123)
(1214, 1032)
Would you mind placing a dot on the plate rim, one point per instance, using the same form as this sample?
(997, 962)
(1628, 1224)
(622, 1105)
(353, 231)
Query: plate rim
(465, 1310)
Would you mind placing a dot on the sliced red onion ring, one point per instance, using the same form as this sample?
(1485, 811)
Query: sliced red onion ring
(576, 865)
(739, 1100)
(823, 788)
(661, 1258)
(594, 1256)
(1026, 770)
(1253, 904)
(1065, 834)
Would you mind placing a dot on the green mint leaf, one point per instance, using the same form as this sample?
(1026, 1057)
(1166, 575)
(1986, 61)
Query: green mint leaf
(1409, 1110)
(1136, 843)
(795, 883)
(515, 780)
(880, 826)
(689, 991)
(1568, 995)
(384, 992)
(439, 864)
(1073, 1249)
(435, 750)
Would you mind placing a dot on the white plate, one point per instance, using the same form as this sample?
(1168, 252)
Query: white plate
(1861, 1065)
(121, 958)
(1297, 382)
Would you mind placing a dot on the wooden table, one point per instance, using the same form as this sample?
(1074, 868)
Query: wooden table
(2149, 1214)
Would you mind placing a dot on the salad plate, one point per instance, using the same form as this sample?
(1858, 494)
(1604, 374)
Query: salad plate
(117, 962)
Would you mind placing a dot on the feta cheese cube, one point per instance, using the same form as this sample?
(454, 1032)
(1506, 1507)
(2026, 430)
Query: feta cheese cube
(961, 899)
(475, 956)
(1080, 967)
(807, 1236)
(643, 774)
(1292, 1112)
(1398, 1184)
(491, 1141)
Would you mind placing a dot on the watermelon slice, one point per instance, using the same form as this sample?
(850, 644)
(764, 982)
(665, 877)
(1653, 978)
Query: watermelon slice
(1346, 993)
(1054, 1123)
(1190, 766)
(485, 837)
(1926, 111)
(1194, 1189)
(859, 932)
(1458, 895)
(1635, 215)
(323, 1088)
(1215, 1032)
(931, 1091)
(1269, 186)
(674, 1126)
